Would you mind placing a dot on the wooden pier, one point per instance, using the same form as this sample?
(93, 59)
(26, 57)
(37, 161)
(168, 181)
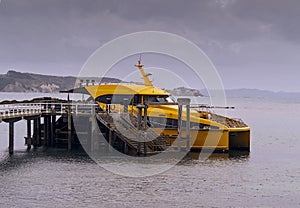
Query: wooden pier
(51, 124)
(42, 122)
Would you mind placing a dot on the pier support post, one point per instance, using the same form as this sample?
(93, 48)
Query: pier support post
(186, 102)
(69, 129)
(179, 125)
(142, 125)
(144, 128)
(114, 138)
(49, 131)
(93, 129)
(11, 138)
(139, 126)
(89, 134)
(145, 117)
(38, 132)
(188, 127)
(35, 133)
(46, 131)
(11, 122)
(125, 102)
(110, 140)
(28, 139)
(53, 120)
(139, 116)
(125, 148)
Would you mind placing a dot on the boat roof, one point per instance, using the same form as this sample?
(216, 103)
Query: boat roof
(120, 88)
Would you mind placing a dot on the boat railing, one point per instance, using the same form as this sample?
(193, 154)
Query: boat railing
(210, 106)
(160, 103)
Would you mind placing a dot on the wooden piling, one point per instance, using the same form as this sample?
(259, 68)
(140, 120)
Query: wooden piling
(69, 129)
(144, 128)
(110, 140)
(186, 102)
(28, 139)
(38, 131)
(52, 130)
(179, 126)
(46, 131)
(35, 133)
(139, 126)
(125, 148)
(188, 126)
(114, 138)
(11, 138)
(125, 102)
(139, 116)
(49, 131)
(145, 117)
(88, 137)
(93, 129)
(45, 135)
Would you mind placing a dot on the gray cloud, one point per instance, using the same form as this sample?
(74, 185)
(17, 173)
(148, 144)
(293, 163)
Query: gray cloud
(57, 36)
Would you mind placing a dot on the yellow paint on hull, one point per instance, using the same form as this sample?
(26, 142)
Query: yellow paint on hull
(212, 139)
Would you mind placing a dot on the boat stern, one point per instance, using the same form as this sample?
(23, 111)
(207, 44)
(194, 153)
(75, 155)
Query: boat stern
(239, 139)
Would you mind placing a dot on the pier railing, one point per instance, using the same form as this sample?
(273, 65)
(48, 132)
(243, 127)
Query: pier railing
(28, 109)
(115, 108)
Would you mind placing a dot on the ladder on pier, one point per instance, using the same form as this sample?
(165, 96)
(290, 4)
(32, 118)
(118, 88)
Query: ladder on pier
(124, 126)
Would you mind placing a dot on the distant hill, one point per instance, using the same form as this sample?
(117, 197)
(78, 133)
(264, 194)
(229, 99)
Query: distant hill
(183, 91)
(256, 93)
(14, 81)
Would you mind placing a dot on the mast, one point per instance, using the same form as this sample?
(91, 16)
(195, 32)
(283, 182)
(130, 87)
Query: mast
(147, 81)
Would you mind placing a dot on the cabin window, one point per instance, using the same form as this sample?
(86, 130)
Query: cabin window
(171, 99)
(104, 99)
(137, 99)
(158, 99)
(172, 123)
(161, 122)
(113, 99)
(157, 122)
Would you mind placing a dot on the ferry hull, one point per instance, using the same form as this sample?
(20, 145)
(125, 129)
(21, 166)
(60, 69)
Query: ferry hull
(239, 140)
(212, 139)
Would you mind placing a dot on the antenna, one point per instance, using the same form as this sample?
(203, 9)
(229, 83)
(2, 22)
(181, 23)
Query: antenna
(139, 61)
(139, 65)
(147, 81)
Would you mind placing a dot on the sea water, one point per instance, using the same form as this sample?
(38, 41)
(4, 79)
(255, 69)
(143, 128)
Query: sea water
(268, 177)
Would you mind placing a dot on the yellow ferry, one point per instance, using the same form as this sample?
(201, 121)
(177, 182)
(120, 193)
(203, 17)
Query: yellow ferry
(207, 130)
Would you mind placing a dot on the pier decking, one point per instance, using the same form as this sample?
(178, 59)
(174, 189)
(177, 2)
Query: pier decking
(51, 124)
(43, 134)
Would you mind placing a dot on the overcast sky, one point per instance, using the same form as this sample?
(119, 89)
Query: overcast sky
(253, 43)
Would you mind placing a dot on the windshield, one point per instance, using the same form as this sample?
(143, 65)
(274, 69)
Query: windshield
(171, 99)
(159, 99)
